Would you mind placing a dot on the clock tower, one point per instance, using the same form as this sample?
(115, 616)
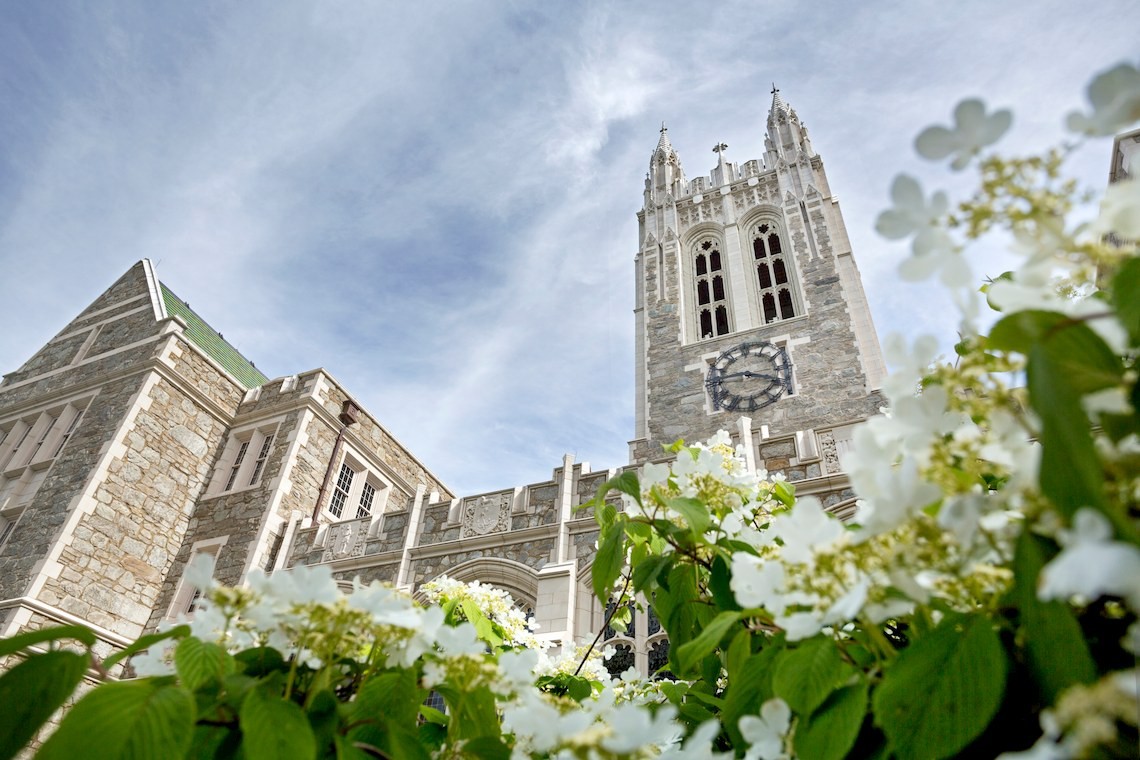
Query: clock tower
(750, 312)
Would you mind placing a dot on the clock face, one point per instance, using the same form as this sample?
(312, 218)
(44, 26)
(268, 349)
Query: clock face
(749, 377)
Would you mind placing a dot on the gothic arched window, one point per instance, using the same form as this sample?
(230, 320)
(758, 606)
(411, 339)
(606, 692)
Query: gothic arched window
(772, 275)
(659, 659)
(712, 290)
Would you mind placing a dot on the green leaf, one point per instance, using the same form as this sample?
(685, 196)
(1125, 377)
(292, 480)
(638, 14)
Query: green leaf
(689, 654)
(1071, 474)
(941, 692)
(31, 691)
(394, 695)
(199, 663)
(1057, 651)
(806, 675)
(274, 728)
(487, 748)
(144, 643)
(749, 687)
(645, 572)
(150, 717)
(260, 661)
(14, 644)
(484, 628)
(625, 482)
(693, 512)
(608, 562)
(831, 731)
(578, 688)
(1086, 361)
(785, 492)
(1126, 297)
(720, 584)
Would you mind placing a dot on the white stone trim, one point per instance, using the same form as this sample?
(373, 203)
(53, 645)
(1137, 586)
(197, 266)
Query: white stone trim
(84, 501)
(100, 323)
(26, 606)
(154, 339)
(154, 291)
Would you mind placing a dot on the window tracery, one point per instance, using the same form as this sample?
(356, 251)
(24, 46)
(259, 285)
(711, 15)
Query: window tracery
(712, 291)
(773, 275)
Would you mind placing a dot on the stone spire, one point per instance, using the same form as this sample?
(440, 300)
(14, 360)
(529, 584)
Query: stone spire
(666, 177)
(787, 137)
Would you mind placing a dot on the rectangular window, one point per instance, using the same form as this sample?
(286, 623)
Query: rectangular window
(367, 494)
(188, 596)
(67, 433)
(259, 465)
(340, 491)
(42, 437)
(237, 465)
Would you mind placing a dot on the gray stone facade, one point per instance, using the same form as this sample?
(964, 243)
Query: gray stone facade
(128, 443)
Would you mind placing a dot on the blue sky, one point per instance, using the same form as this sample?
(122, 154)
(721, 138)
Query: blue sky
(436, 201)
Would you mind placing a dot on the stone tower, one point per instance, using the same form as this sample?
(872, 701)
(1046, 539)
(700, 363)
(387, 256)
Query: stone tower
(750, 312)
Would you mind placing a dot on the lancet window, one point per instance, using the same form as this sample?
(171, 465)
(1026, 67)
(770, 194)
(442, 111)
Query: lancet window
(712, 288)
(773, 275)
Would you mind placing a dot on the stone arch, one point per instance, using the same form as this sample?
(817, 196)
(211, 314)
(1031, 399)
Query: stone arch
(520, 581)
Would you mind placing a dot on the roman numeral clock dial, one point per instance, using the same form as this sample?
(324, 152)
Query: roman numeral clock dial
(749, 377)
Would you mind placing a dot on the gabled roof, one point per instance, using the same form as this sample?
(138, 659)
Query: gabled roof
(212, 343)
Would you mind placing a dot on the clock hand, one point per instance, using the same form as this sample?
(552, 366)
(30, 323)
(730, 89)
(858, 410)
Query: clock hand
(748, 373)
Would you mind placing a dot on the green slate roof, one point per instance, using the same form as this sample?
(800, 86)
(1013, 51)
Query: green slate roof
(212, 343)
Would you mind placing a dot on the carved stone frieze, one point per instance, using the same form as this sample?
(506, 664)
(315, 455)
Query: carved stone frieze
(828, 452)
(486, 514)
(345, 539)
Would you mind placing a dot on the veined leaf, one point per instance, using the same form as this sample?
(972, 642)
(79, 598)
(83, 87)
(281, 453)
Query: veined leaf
(274, 728)
(690, 653)
(31, 691)
(199, 662)
(80, 633)
(608, 561)
(1126, 297)
(146, 642)
(807, 674)
(1058, 653)
(693, 512)
(830, 732)
(941, 692)
(150, 717)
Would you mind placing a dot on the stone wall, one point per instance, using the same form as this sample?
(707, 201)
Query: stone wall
(45, 515)
(534, 554)
(115, 560)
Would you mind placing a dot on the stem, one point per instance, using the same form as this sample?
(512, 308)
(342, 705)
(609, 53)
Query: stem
(605, 624)
(885, 650)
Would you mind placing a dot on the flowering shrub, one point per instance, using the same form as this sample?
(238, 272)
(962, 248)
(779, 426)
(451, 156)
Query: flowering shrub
(983, 602)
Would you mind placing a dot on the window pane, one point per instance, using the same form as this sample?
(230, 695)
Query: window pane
(367, 494)
(786, 309)
(236, 465)
(721, 320)
(774, 244)
(702, 265)
(779, 271)
(706, 324)
(262, 455)
(769, 307)
(714, 260)
(340, 491)
(758, 251)
(718, 288)
(765, 276)
(702, 292)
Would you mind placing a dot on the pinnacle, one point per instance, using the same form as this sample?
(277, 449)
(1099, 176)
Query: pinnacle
(778, 103)
(663, 143)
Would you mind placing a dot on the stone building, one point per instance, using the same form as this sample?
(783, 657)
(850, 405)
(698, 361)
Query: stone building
(138, 437)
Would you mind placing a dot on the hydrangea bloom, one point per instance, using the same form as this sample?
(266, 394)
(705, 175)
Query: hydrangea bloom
(973, 130)
(1115, 98)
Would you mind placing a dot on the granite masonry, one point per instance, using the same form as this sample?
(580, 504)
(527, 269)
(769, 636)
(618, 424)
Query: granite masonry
(138, 437)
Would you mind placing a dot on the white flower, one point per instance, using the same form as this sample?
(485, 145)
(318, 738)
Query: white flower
(1092, 565)
(766, 733)
(912, 215)
(699, 745)
(200, 571)
(973, 130)
(1115, 98)
(806, 528)
(908, 364)
(634, 728)
(1120, 210)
